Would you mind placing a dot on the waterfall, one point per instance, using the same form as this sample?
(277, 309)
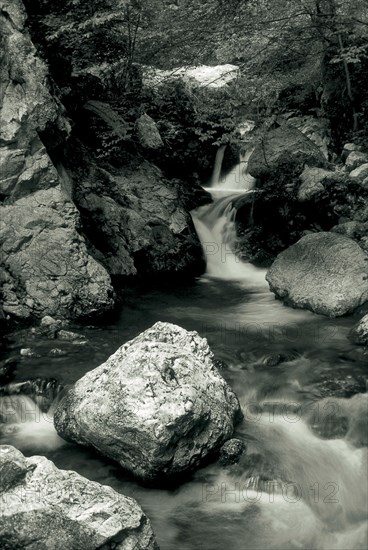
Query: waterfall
(216, 223)
(26, 421)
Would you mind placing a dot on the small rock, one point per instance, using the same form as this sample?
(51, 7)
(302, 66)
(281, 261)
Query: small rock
(69, 335)
(359, 333)
(348, 148)
(27, 352)
(57, 352)
(355, 159)
(360, 173)
(231, 451)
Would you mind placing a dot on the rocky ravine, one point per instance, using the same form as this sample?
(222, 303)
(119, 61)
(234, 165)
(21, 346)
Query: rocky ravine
(45, 266)
(135, 220)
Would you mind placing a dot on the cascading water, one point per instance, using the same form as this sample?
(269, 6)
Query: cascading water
(215, 223)
(301, 484)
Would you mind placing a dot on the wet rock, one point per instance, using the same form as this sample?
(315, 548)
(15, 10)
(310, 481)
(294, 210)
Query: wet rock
(27, 352)
(284, 146)
(359, 333)
(69, 336)
(148, 134)
(360, 173)
(231, 451)
(275, 359)
(158, 406)
(355, 159)
(44, 507)
(48, 327)
(57, 352)
(324, 272)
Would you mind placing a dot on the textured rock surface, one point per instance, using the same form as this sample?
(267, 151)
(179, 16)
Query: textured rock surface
(158, 406)
(137, 222)
(148, 134)
(284, 147)
(360, 174)
(359, 334)
(44, 507)
(324, 272)
(50, 271)
(45, 265)
(315, 129)
(355, 159)
(26, 108)
(312, 182)
(358, 231)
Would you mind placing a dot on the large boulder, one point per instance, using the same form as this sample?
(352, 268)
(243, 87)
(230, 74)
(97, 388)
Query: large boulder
(284, 147)
(47, 268)
(137, 222)
(158, 406)
(324, 272)
(44, 507)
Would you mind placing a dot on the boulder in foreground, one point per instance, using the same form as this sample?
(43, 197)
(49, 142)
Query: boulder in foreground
(158, 406)
(324, 272)
(44, 507)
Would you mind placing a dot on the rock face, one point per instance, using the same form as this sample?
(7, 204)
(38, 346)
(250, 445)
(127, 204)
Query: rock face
(45, 265)
(324, 272)
(44, 507)
(158, 406)
(359, 334)
(284, 147)
(51, 271)
(137, 222)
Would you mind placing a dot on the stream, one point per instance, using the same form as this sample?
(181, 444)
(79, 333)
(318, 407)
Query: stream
(302, 482)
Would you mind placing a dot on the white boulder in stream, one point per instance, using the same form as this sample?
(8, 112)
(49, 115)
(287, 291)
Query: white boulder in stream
(42, 507)
(158, 406)
(324, 272)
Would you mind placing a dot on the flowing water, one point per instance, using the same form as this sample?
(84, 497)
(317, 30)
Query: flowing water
(302, 482)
